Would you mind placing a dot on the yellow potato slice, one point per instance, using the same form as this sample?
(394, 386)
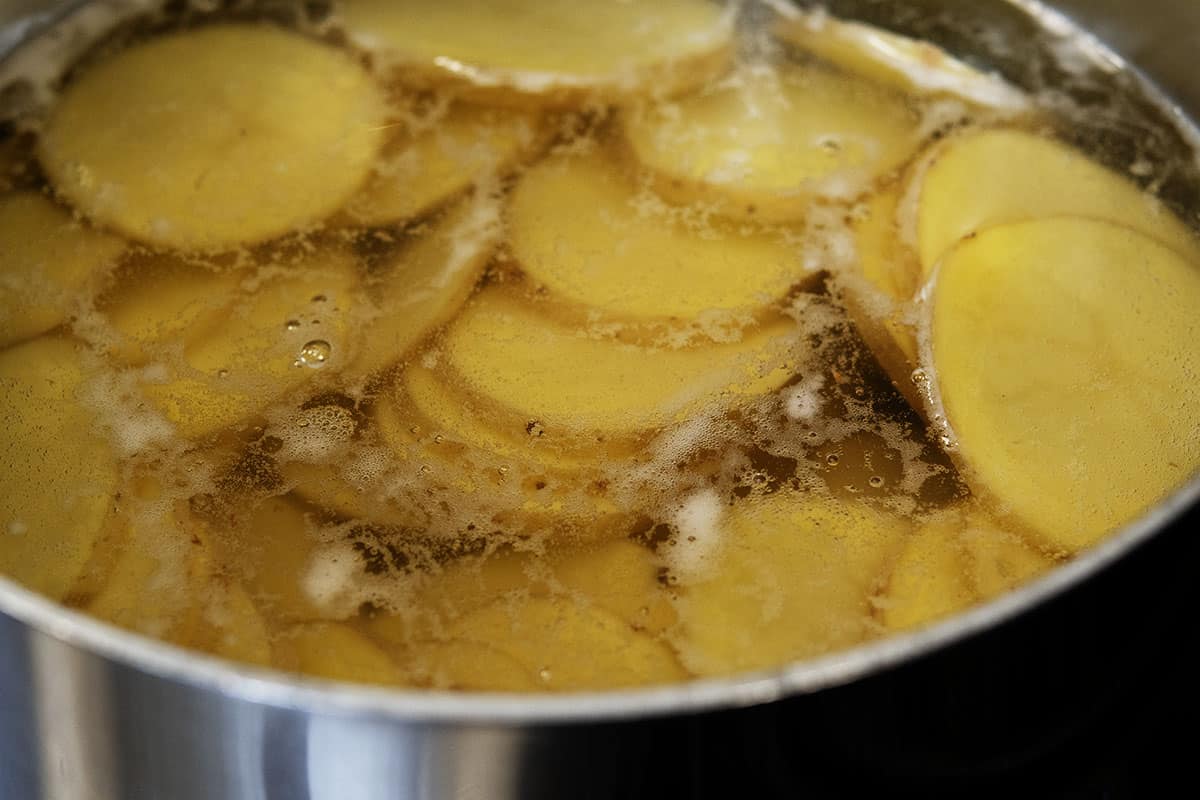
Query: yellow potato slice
(335, 652)
(566, 646)
(215, 137)
(1000, 560)
(278, 546)
(930, 579)
(1028, 177)
(58, 472)
(887, 58)
(621, 577)
(563, 54)
(792, 579)
(270, 341)
(427, 282)
(471, 666)
(766, 144)
(231, 626)
(1064, 352)
(48, 258)
(535, 369)
(427, 165)
(579, 228)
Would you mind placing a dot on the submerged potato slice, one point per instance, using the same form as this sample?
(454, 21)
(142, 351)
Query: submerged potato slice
(583, 231)
(48, 258)
(335, 652)
(795, 576)
(58, 473)
(1064, 352)
(421, 169)
(233, 628)
(766, 144)
(572, 386)
(549, 51)
(1000, 560)
(279, 545)
(929, 580)
(1028, 177)
(215, 137)
(621, 577)
(910, 65)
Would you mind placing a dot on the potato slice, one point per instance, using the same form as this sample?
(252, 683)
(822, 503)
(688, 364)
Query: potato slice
(58, 472)
(278, 545)
(621, 577)
(1028, 177)
(580, 229)
(427, 165)
(887, 58)
(792, 579)
(548, 52)
(47, 260)
(766, 144)
(573, 387)
(215, 137)
(234, 628)
(1064, 352)
(929, 580)
(1000, 560)
(426, 283)
(335, 652)
(471, 666)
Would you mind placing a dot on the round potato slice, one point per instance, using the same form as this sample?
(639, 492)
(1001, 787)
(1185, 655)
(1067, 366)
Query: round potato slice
(583, 231)
(620, 576)
(1064, 352)
(335, 652)
(540, 372)
(58, 472)
(425, 166)
(910, 65)
(766, 144)
(930, 579)
(792, 578)
(48, 258)
(566, 54)
(215, 137)
(1028, 177)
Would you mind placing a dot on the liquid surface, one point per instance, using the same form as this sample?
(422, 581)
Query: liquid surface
(672, 343)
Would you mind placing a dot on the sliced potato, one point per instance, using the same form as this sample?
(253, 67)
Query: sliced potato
(563, 54)
(619, 576)
(1000, 560)
(794, 578)
(1064, 352)
(232, 626)
(58, 472)
(47, 259)
(535, 369)
(1028, 177)
(425, 166)
(766, 144)
(930, 578)
(215, 137)
(279, 543)
(580, 229)
(887, 58)
(471, 666)
(335, 652)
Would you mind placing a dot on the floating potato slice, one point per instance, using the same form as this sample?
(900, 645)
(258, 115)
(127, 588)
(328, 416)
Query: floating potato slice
(471, 666)
(270, 342)
(611, 50)
(565, 645)
(929, 580)
(58, 473)
(1000, 560)
(910, 65)
(215, 137)
(421, 169)
(1028, 177)
(582, 230)
(335, 652)
(536, 369)
(1064, 352)
(794, 578)
(767, 143)
(621, 577)
(427, 282)
(278, 548)
(232, 627)
(47, 259)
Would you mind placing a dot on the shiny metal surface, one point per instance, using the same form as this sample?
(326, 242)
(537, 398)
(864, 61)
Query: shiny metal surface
(91, 713)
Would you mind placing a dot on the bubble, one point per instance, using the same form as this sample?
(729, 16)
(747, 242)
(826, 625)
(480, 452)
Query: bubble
(222, 373)
(292, 324)
(314, 354)
(833, 459)
(438, 439)
(876, 482)
(544, 675)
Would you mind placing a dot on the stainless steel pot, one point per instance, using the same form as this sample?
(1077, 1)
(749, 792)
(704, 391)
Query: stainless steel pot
(88, 712)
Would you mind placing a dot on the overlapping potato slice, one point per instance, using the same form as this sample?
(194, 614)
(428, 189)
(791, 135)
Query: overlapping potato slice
(910, 65)
(621, 577)
(573, 387)
(582, 230)
(58, 473)
(47, 260)
(793, 579)
(233, 628)
(273, 339)
(335, 652)
(423, 285)
(929, 580)
(1064, 352)
(274, 553)
(425, 166)
(993, 177)
(1000, 560)
(566, 53)
(766, 144)
(215, 137)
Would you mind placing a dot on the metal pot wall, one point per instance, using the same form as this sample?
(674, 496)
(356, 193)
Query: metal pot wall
(91, 713)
